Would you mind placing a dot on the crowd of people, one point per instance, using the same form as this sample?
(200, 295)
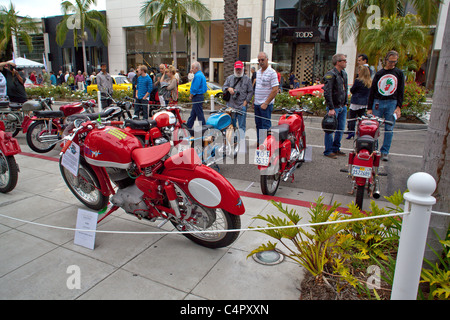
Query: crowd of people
(379, 93)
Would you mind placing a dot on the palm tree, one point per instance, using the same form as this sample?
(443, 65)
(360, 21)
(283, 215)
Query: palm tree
(353, 15)
(84, 19)
(230, 36)
(176, 15)
(405, 35)
(11, 25)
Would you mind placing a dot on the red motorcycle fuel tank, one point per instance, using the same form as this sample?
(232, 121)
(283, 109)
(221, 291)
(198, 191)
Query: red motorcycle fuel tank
(164, 119)
(293, 120)
(110, 147)
(369, 127)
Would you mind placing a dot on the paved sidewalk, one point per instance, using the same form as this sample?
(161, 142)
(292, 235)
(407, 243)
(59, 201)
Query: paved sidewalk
(35, 261)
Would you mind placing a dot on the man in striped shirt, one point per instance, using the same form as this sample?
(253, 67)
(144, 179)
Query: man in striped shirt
(266, 89)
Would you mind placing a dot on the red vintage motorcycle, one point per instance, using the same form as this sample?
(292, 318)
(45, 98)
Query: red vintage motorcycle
(283, 150)
(9, 170)
(166, 125)
(151, 185)
(48, 125)
(364, 160)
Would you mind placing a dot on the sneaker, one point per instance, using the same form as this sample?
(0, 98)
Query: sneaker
(384, 157)
(331, 155)
(340, 153)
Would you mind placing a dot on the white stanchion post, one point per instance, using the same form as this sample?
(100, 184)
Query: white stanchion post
(99, 99)
(212, 102)
(413, 236)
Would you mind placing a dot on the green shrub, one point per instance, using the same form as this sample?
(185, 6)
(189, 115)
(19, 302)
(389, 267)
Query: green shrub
(413, 101)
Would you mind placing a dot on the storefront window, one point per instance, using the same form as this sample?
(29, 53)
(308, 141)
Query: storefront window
(140, 51)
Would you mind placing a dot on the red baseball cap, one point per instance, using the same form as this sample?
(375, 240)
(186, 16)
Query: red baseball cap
(238, 65)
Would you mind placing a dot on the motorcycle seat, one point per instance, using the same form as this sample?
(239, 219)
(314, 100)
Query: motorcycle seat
(49, 114)
(140, 124)
(4, 104)
(90, 116)
(15, 106)
(204, 128)
(146, 157)
(282, 131)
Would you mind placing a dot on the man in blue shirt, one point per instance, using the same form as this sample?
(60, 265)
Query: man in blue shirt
(198, 88)
(143, 88)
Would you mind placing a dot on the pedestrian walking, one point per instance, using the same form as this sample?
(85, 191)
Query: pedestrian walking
(60, 78)
(197, 91)
(144, 87)
(266, 89)
(46, 78)
(79, 80)
(335, 92)
(104, 85)
(386, 98)
(15, 80)
(172, 88)
(240, 88)
(360, 95)
(52, 78)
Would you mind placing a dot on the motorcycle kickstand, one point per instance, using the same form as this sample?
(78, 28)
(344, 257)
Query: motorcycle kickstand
(113, 208)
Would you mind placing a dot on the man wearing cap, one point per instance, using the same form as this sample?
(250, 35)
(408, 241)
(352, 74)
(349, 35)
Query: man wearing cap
(241, 92)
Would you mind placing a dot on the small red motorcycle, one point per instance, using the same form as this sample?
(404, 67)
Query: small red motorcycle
(47, 127)
(364, 160)
(9, 170)
(150, 184)
(166, 125)
(283, 150)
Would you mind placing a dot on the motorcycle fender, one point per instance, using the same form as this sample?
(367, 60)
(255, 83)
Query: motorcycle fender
(272, 168)
(363, 163)
(9, 145)
(105, 185)
(209, 188)
(26, 123)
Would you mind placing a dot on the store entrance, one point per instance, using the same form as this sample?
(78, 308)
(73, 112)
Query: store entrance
(304, 63)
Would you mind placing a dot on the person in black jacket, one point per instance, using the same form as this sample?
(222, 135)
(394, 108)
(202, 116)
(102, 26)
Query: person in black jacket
(335, 93)
(386, 97)
(360, 95)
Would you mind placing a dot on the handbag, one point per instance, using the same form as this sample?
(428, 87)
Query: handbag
(227, 94)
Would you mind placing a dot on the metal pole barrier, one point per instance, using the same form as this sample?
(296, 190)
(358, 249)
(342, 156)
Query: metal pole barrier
(212, 102)
(99, 99)
(413, 236)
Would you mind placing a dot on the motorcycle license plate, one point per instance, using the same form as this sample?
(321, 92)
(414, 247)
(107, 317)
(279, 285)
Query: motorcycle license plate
(262, 157)
(362, 172)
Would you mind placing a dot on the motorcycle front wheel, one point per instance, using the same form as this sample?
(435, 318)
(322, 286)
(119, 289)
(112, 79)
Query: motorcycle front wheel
(203, 219)
(85, 186)
(8, 173)
(41, 137)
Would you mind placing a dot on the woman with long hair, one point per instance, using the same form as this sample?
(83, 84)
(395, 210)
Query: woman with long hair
(360, 95)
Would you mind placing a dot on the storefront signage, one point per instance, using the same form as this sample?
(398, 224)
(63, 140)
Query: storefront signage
(306, 35)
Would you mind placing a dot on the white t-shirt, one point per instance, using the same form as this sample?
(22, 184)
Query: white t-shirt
(265, 81)
(2, 85)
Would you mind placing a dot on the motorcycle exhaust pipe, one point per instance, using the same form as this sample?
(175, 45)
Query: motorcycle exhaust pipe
(376, 190)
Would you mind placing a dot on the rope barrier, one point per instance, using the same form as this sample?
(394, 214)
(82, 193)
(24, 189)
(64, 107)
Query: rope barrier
(208, 231)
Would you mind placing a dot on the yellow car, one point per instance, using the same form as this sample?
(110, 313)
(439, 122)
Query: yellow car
(119, 83)
(213, 89)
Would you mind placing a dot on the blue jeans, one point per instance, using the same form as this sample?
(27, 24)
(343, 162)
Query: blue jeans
(263, 120)
(333, 139)
(141, 105)
(386, 110)
(241, 118)
(197, 110)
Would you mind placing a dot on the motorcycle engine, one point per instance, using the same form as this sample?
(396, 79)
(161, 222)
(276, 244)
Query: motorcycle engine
(131, 200)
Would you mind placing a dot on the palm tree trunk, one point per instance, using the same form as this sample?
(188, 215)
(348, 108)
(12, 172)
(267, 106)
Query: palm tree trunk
(83, 45)
(174, 48)
(437, 148)
(230, 37)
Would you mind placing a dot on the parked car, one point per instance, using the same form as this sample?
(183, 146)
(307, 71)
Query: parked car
(119, 83)
(306, 90)
(213, 89)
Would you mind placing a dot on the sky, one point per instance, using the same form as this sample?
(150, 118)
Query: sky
(43, 8)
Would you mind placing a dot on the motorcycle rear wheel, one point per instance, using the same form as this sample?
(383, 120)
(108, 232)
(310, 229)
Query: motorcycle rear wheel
(8, 173)
(360, 196)
(85, 186)
(37, 130)
(206, 219)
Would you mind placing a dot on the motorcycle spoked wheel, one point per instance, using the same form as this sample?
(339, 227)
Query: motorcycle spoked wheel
(213, 151)
(36, 131)
(270, 183)
(200, 218)
(85, 186)
(9, 173)
(233, 137)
